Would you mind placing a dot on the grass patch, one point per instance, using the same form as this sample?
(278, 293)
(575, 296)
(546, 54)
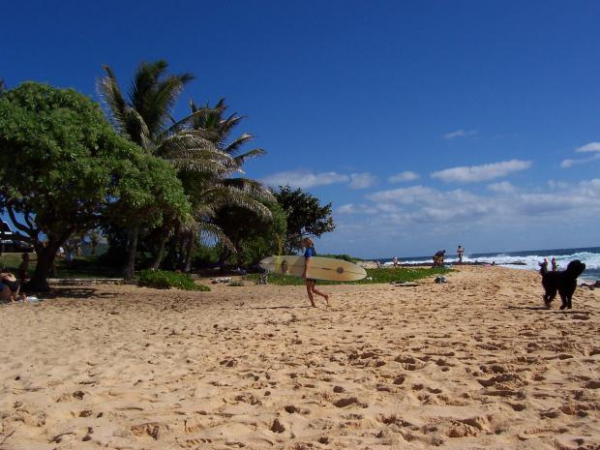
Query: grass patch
(11, 261)
(80, 267)
(402, 274)
(374, 276)
(160, 279)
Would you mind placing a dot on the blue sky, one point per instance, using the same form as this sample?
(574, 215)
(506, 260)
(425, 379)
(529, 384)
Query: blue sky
(426, 124)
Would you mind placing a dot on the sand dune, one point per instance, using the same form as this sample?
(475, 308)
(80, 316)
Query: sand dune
(475, 363)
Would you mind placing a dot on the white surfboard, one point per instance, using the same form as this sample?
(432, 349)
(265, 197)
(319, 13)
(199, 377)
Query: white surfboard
(320, 268)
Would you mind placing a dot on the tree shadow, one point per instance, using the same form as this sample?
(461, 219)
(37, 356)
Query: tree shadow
(276, 307)
(76, 293)
(548, 310)
(530, 308)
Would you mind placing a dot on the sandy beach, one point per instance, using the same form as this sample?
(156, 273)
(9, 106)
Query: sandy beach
(476, 363)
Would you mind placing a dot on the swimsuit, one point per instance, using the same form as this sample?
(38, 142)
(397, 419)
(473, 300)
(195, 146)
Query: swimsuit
(12, 285)
(309, 253)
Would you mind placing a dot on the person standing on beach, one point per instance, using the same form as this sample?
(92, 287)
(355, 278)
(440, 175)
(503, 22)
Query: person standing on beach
(24, 269)
(395, 260)
(309, 252)
(460, 252)
(554, 265)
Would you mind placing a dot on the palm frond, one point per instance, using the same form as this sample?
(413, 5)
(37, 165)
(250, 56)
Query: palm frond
(153, 94)
(222, 195)
(204, 212)
(227, 125)
(136, 129)
(187, 139)
(184, 164)
(212, 231)
(163, 101)
(251, 187)
(234, 146)
(111, 95)
(240, 160)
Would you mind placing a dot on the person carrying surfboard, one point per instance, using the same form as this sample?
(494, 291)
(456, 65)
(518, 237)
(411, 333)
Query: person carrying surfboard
(309, 252)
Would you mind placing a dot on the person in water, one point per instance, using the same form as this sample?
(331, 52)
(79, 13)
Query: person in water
(311, 289)
(460, 251)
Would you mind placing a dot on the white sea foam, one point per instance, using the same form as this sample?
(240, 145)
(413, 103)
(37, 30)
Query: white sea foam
(526, 261)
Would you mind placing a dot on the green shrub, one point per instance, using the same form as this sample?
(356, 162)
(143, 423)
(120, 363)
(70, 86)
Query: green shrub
(374, 276)
(340, 256)
(402, 274)
(160, 279)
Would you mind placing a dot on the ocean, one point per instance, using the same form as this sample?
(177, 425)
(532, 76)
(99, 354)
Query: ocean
(525, 260)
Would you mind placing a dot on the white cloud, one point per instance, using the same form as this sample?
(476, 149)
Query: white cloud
(590, 188)
(567, 163)
(561, 185)
(421, 217)
(481, 173)
(502, 187)
(417, 205)
(362, 180)
(591, 147)
(403, 176)
(307, 179)
(304, 179)
(351, 208)
(407, 196)
(460, 134)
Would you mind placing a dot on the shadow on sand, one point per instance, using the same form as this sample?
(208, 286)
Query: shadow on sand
(551, 311)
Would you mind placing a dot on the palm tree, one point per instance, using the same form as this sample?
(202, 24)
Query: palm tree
(196, 146)
(145, 117)
(228, 188)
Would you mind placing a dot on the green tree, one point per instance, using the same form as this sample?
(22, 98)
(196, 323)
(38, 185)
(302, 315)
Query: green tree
(305, 216)
(64, 170)
(253, 235)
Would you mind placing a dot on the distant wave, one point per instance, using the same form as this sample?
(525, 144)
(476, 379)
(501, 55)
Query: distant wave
(526, 260)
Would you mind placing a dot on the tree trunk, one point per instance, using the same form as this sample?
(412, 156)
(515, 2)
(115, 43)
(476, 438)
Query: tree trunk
(189, 252)
(159, 254)
(45, 261)
(225, 254)
(129, 271)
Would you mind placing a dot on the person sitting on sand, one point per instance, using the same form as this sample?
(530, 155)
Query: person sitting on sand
(310, 251)
(9, 287)
(438, 258)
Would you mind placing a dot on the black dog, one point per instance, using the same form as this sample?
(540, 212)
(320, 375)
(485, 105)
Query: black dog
(565, 282)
